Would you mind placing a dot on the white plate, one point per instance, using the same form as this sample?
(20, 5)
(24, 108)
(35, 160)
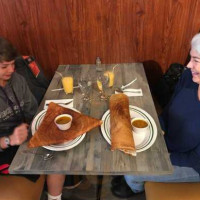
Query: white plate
(151, 135)
(58, 147)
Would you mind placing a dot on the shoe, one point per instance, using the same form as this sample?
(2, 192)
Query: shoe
(70, 187)
(123, 190)
(72, 181)
(117, 180)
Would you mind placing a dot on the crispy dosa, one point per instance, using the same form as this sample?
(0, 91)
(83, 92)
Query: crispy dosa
(48, 133)
(120, 124)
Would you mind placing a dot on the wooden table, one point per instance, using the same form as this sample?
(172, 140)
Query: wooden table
(93, 156)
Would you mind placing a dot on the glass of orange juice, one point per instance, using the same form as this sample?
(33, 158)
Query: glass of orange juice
(68, 83)
(111, 76)
(102, 83)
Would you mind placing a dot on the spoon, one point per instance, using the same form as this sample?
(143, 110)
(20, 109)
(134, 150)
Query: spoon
(124, 86)
(62, 103)
(53, 90)
(46, 156)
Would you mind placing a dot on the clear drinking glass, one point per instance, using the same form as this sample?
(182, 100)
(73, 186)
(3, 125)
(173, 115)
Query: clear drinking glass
(68, 83)
(111, 76)
(85, 84)
(102, 83)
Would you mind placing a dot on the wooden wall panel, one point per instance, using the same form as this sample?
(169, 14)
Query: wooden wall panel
(155, 32)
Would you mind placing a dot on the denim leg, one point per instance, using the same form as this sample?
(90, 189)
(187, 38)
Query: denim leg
(180, 174)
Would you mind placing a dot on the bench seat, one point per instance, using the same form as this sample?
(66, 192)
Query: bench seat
(20, 188)
(172, 191)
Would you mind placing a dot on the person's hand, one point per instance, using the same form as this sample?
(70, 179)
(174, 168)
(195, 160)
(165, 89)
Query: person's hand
(19, 135)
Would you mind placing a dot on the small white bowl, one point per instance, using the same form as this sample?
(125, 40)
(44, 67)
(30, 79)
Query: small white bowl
(63, 122)
(140, 127)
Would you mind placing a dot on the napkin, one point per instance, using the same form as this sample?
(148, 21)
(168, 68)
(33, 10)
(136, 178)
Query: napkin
(48, 133)
(69, 103)
(131, 92)
(120, 124)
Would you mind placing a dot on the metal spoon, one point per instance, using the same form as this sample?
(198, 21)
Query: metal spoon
(54, 90)
(46, 156)
(62, 103)
(124, 86)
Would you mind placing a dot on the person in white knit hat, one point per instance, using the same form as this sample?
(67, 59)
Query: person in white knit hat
(180, 121)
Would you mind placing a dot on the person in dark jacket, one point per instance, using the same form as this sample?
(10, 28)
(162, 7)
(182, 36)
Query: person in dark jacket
(17, 108)
(181, 123)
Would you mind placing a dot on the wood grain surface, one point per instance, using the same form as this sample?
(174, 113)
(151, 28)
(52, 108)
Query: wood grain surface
(93, 155)
(76, 32)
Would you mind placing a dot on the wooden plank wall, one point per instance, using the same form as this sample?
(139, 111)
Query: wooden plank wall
(156, 32)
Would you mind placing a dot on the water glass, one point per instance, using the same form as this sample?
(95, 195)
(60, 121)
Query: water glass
(102, 83)
(85, 84)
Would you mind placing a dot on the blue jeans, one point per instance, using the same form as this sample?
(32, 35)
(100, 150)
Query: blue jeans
(180, 174)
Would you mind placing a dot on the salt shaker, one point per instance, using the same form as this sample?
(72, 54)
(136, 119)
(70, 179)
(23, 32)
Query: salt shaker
(98, 64)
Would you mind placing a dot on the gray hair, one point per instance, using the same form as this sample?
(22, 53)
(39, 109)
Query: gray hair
(195, 43)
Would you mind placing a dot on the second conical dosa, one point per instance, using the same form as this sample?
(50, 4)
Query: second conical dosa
(121, 129)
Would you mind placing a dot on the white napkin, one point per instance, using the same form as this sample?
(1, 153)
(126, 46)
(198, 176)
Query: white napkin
(68, 103)
(132, 92)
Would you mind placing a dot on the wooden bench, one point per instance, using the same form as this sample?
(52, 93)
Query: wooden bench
(20, 188)
(172, 191)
